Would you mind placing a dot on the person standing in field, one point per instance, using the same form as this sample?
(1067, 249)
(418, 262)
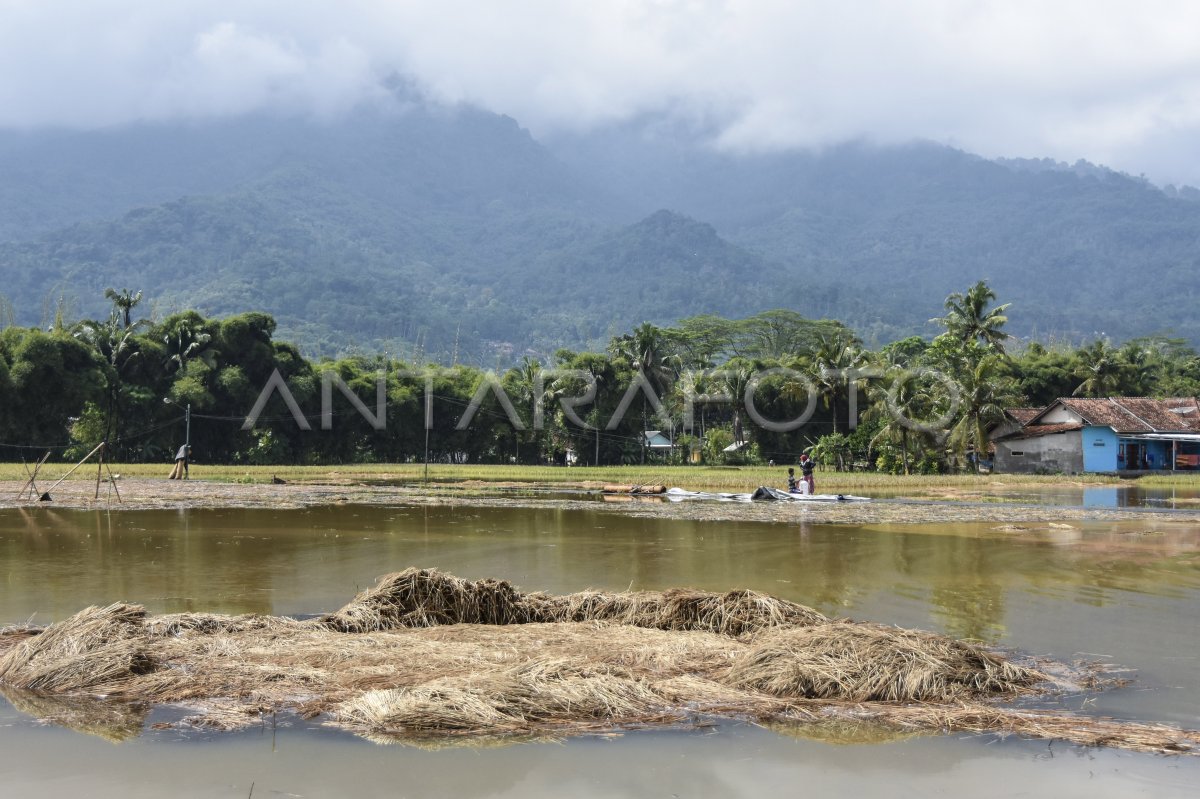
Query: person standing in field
(180, 472)
(806, 472)
(792, 487)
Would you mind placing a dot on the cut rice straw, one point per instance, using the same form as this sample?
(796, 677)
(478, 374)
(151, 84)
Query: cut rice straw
(425, 657)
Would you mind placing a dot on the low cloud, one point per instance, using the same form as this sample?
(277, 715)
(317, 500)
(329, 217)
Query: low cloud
(1113, 82)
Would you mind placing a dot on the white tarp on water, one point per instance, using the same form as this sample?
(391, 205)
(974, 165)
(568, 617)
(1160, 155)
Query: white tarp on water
(761, 493)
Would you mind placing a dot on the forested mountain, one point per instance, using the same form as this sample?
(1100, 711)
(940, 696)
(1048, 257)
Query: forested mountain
(452, 233)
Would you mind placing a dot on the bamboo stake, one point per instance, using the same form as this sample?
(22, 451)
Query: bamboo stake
(99, 471)
(112, 481)
(86, 458)
(32, 482)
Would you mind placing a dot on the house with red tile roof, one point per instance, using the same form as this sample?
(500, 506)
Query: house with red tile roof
(1112, 434)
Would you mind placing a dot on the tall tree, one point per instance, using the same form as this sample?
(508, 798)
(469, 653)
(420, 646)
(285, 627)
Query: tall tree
(1100, 368)
(124, 301)
(833, 362)
(117, 344)
(646, 349)
(968, 317)
(984, 393)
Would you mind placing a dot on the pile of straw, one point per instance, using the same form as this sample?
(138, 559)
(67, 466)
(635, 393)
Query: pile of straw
(427, 598)
(536, 694)
(857, 662)
(425, 656)
(92, 648)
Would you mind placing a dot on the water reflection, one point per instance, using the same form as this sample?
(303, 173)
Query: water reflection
(310, 561)
(1128, 593)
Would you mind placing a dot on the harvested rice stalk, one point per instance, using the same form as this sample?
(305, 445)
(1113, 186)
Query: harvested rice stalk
(209, 623)
(94, 646)
(427, 597)
(857, 662)
(520, 669)
(1082, 730)
(518, 700)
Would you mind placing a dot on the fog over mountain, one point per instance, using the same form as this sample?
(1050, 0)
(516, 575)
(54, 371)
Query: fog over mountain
(452, 229)
(480, 182)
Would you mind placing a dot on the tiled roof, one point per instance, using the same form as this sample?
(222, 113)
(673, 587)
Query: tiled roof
(1031, 430)
(1136, 414)
(1023, 415)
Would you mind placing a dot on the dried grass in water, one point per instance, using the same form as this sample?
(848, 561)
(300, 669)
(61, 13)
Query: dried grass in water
(91, 648)
(427, 598)
(857, 662)
(426, 656)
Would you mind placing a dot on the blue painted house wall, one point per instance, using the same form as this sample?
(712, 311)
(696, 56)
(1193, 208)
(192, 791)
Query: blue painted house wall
(1099, 449)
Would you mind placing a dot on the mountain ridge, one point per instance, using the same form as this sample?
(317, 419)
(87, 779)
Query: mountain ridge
(444, 230)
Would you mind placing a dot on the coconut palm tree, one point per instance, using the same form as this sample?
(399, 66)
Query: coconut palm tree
(901, 404)
(983, 394)
(117, 344)
(1100, 368)
(186, 343)
(968, 317)
(646, 349)
(831, 365)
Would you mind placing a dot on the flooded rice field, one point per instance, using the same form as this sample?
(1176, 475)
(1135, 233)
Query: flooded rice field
(1123, 591)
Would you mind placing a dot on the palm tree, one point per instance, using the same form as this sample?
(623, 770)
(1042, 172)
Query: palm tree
(646, 351)
(185, 344)
(835, 356)
(1100, 368)
(124, 301)
(117, 345)
(983, 396)
(529, 385)
(968, 317)
(901, 404)
(735, 378)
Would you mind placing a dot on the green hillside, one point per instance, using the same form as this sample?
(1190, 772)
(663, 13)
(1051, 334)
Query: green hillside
(453, 234)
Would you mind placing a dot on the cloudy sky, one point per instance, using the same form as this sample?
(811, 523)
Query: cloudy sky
(1113, 82)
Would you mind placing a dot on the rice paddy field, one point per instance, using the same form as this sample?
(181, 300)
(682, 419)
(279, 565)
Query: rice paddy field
(716, 478)
(995, 636)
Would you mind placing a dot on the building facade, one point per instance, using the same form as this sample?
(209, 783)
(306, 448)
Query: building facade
(1109, 435)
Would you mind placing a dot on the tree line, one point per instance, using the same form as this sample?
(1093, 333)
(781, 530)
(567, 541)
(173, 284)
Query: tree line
(722, 390)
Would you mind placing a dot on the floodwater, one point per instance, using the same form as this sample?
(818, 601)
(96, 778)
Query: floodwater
(1125, 593)
(1130, 495)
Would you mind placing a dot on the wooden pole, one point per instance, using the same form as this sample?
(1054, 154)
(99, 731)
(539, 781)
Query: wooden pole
(99, 470)
(31, 483)
(112, 481)
(86, 458)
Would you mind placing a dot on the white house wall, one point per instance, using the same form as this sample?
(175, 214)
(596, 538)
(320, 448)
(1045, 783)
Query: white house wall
(1060, 414)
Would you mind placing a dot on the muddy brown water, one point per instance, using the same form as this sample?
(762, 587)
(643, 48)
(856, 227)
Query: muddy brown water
(1123, 592)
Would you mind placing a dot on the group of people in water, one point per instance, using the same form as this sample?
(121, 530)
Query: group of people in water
(806, 484)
